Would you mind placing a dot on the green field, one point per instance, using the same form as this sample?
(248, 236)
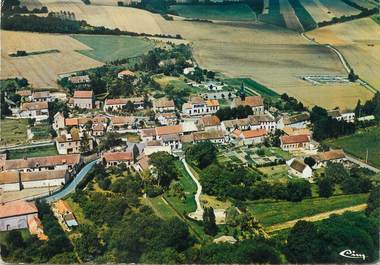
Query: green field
(271, 212)
(304, 17)
(33, 152)
(251, 85)
(358, 144)
(274, 15)
(110, 48)
(231, 12)
(376, 18)
(13, 131)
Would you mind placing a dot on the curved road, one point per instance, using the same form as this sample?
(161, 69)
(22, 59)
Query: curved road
(72, 185)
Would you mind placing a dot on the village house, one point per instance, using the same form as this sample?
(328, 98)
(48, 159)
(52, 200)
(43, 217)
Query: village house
(122, 123)
(168, 130)
(197, 106)
(83, 99)
(81, 81)
(34, 164)
(209, 123)
(334, 156)
(126, 74)
(296, 131)
(255, 102)
(59, 122)
(299, 169)
(86, 124)
(216, 137)
(64, 214)
(41, 96)
(34, 110)
(15, 214)
(297, 121)
(263, 121)
(116, 104)
(167, 118)
(345, 116)
(163, 105)
(295, 142)
(15, 180)
(188, 127)
(240, 124)
(116, 158)
(172, 140)
(148, 135)
(25, 94)
(70, 143)
(249, 137)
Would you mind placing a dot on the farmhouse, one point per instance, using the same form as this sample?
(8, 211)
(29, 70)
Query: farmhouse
(209, 123)
(263, 121)
(148, 135)
(15, 180)
(34, 110)
(15, 214)
(295, 121)
(295, 142)
(172, 140)
(59, 122)
(41, 96)
(335, 156)
(249, 137)
(118, 123)
(255, 102)
(116, 158)
(125, 74)
(197, 106)
(168, 130)
(163, 105)
(80, 80)
(216, 137)
(299, 169)
(67, 162)
(338, 115)
(296, 131)
(120, 103)
(240, 124)
(70, 143)
(83, 99)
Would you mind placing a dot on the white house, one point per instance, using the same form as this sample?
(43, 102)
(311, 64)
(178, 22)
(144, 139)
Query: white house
(41, 96)
(249, 137)
(167, 118)
(299, 169)
(15, 214)
(216, 137)
(120, 123)
(115, 104)
(83, 99)
(301, 120)
(335, 156)
(34, 110)
(116, 158)
(70, 143)
(295, 142)
(263, 121)
(197, 106)
(59, 122)
(338, 115)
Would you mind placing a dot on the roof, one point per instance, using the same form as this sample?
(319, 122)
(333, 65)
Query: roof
(253, 133)
(148, 132)
(71, 122)
(188, 138)
(296, 118)
(298, 165)
(212, 102)
(261, 118)
(9, 177)
(34, 106)
(208, 135)
(98, 127)
(209, 120)
(15, 208)
(43, 175)
(296, 131)
(144, 162)
(83, 94)
(167, 115)
(120, 120)
(121, 101)
(237, 122)
(118, 156)
(170, 137)
(62, 207)
(24, 93)
(41, 94)
(329, 155)
(79, 79)
(70, 137)
(252, 101)
(126, 72)
(44, 161)
(334, 113)
(189, 126)
(196, 100)
(163, 103)
(171, 129)
(293, 139)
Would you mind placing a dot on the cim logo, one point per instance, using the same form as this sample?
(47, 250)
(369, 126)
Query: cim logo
(351, 254)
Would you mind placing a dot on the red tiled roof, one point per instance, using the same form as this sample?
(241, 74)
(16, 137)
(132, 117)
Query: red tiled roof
(254, 133)
(83, 94)
(252, 101)
(293, 139)
(16, 208)
(126, 72)
(121, 101)
(329, 155)
(209, 120)
(31, 162)
(71, 122)
(34, 106)
(118, 156)
(120, 120)
(163, 103)
(172, 129)
(212, 102)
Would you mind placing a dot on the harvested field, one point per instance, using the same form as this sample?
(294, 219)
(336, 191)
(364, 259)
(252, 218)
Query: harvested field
(42, 70)
(359, 42)
(338, 8)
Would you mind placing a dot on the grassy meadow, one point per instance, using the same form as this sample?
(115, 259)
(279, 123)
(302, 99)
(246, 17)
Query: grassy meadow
(110, 48)
(231, 12)
(49, 150)
(13, 131)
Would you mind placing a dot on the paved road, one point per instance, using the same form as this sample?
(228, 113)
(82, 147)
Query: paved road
(198, 214)
(362, 163)
(71, 187)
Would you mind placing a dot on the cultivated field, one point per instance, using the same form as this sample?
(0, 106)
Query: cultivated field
(233, 12)
(42, 70)
(359, 42)
(291, 19)
(121, 46)
(338, 8)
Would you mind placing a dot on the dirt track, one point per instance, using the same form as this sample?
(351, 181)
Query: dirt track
(315, 218)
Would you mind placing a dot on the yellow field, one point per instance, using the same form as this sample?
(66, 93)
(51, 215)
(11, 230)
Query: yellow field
(42, 70)
(359, 42)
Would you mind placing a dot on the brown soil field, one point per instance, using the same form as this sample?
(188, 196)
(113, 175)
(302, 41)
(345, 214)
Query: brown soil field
(291, 19)
(42, 70)
(359, 42)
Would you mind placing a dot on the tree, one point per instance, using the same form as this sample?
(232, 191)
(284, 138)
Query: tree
(301, 242)
(309, 161)
(352, 77)
(129, 107)
(164, 164)
(325, 187)
(85, 143)
(209, 224)
(5, 111)
(298, 190)
(87, 245)
(317, 113)
(373, 200)
(336, 172)
(249, 227)
(201, 154)
(14, 240)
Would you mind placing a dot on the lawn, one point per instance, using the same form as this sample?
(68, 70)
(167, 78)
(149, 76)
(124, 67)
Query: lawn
(271, 212)
(277, 173)
(251, 85)
(160, 208)
(231, 12)
(110, 48)
(49, 150)
(358, 144)
(13, 131)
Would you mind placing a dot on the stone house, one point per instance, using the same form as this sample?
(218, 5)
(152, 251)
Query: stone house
(83, 99)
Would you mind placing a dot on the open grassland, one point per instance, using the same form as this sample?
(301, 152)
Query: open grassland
(359, 42)
(33, 152)
(13, 131)
(121, 46)
(272, 212)
(42, 70)
(358, 144)
(231, 12)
